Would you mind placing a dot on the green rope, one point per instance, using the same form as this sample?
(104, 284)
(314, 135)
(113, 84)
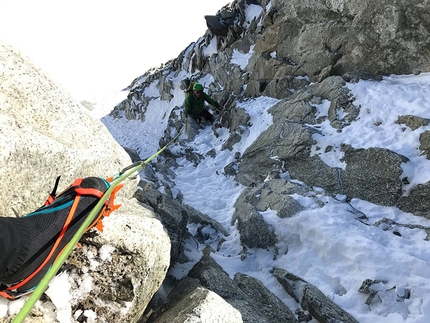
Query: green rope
(43, 284)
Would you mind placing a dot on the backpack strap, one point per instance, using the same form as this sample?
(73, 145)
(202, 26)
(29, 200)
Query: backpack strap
(109, 207)
(6, 294)
(53, 194)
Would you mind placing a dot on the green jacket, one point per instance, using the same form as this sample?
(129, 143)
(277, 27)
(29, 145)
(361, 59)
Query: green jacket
(194, 106)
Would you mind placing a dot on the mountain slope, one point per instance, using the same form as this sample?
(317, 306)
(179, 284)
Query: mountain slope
(320, 179)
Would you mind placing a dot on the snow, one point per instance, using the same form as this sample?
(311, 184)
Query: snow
(105, 252)
(211, 48)
(252, 12)
(60, 286)
(240, 58)
(143, 137)
(381, 104)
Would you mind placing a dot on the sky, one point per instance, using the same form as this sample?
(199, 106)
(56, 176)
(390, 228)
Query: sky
(328, 247)
(95, 48)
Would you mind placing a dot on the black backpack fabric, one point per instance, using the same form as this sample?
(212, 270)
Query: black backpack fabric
(39, 237)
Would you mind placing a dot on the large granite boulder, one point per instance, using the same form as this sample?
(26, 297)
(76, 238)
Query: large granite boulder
(44, 133)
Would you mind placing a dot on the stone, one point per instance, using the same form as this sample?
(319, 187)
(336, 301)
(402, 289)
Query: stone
(311, 298)
(45, 134)
(246, 294)
(134, 270)
(413, 122)
(425, 143)
(283, 140)
(416, 201)
(190, 302)
(254, 231)
(377, 181)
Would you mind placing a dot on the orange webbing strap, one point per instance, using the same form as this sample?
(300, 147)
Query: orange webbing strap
(54, 247)
(51, 198)
(89, 191)
(6, 295)
(107, 209)
(77, 181)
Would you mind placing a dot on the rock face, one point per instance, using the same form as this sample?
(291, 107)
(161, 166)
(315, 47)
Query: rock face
(246, 294)
(367, 180)
(335, 37)
(293, 43)
(45, 134)
(320, 307)
(125, 270)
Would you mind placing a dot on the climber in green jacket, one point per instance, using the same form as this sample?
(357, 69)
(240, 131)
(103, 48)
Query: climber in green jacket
(195, 104)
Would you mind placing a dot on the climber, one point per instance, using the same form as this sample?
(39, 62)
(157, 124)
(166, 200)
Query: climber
(195, 108)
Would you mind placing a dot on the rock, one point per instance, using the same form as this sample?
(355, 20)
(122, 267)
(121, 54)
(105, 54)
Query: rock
(300, 107)
(216, 25)
(44, 134)
(273, 194)
(191, 302)
(312, 299)
(236, 120)
(175, 217)
(413, 122)
(249, 296)
(425, 143)
(174, 220)
(373, 175)
(270, 305)
(417, 201)
(115, 273)
(254, 231)
(314, 172)
(294, 110)
(349, 39)
(125, 281)
(283, 140)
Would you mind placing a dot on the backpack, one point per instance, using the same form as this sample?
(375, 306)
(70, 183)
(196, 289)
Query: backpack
(52, 226)
(189, 88)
